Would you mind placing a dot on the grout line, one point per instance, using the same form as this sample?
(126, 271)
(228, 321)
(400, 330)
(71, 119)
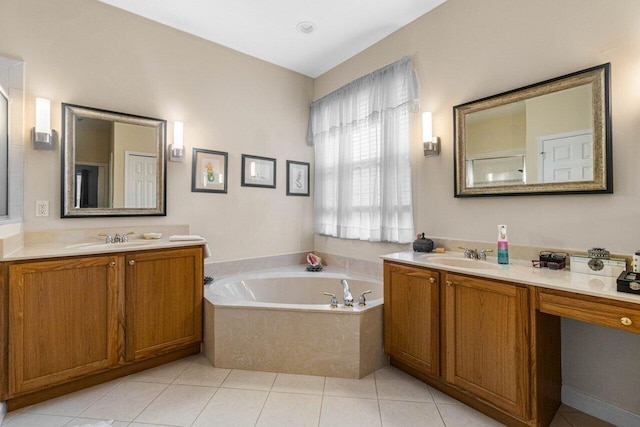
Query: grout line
(205, 406)
(375, 381)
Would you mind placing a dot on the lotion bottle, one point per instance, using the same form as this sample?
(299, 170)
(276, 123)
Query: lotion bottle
(503, 245)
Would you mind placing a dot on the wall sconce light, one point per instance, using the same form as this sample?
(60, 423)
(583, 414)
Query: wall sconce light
(176, 150)
(43, 137)
(431, 144)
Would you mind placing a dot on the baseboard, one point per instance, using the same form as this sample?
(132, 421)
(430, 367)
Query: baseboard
(599, 409)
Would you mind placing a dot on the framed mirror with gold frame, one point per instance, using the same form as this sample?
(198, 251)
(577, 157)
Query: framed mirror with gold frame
(552, 137)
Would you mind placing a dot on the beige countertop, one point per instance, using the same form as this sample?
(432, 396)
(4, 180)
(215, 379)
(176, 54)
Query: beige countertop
(524, 273)
(34, 251)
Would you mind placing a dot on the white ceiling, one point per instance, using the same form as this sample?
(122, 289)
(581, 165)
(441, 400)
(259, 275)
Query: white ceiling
(266, 29)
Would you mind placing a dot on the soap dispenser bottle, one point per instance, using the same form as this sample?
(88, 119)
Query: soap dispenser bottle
(503, 245)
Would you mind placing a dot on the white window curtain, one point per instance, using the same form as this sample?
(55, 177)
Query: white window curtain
(362, 167)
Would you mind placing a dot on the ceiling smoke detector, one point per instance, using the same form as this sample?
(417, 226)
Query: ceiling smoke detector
(305, 27)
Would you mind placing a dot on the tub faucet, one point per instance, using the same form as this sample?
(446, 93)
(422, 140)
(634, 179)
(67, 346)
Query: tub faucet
(348, 298)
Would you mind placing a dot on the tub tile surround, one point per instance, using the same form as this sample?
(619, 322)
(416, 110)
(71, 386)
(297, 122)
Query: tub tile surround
(295, 342)
(247, 398)
(360, 267)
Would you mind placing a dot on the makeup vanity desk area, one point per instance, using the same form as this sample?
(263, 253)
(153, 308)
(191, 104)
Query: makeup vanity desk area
(490, 336)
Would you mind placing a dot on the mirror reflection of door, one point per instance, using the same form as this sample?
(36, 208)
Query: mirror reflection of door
(140, 180)
(566, 157)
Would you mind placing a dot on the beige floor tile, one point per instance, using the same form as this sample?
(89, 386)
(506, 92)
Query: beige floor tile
(409, 414)
(74, 403)
(349, 412)
(165, 374)
(125, 401)
(463, 416)
(566, 408)
(341, 387)
(232, 408)
(391, 373)
(285, 409)
(178, 405)
(77, 422)
(409, 389)
(25, 419)
(148, 425)
(249, 380)
(200, 372)
(559, 421)
(584, 420)
(303, 384)
(440, 397)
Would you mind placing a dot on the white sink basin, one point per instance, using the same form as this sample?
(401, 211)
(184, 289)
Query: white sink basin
(461, 262)
(114, 246)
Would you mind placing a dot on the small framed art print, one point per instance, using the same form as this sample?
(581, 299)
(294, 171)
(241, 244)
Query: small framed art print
(258, 171)
(209, 171)
(297, 178)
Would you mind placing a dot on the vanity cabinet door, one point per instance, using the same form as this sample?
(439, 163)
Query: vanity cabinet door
(63, 320)
(487, 348)
(163, 301)
(411, 315)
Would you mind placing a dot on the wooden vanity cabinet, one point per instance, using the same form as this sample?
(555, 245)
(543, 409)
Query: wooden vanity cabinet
(412, 316)
(76, 322)
(479, 340)
(487, 347)
(163, 307)
(63, 320)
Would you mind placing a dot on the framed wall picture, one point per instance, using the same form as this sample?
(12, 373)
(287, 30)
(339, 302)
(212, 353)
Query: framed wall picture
(297, 178)
(209, 171)
(258, 171)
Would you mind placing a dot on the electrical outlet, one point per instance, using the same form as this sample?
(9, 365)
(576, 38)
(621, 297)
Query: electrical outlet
(42, 208)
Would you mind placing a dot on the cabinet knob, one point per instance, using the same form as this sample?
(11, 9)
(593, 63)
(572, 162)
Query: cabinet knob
(432, 280)
(131, 262)
(112, 264)
(449, 283)
(626, 321)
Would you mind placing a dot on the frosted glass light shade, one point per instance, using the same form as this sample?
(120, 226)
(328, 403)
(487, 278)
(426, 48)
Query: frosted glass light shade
(178, 129)
(427, 127)
(43, 115)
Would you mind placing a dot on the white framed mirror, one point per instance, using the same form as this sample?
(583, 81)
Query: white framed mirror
(113, 163)
(552, 137)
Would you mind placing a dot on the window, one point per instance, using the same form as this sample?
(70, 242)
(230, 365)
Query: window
(362, 166)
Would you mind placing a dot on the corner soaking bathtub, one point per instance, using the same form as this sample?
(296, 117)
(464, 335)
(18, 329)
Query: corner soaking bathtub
(281, 321)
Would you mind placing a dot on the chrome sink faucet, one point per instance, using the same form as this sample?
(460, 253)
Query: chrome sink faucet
(475, 254)
(117, 238)
(348, 298)
(469, 253)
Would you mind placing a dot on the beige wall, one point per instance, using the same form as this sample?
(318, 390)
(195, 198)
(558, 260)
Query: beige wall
(465, 50)
(468, 49)
(87, 53)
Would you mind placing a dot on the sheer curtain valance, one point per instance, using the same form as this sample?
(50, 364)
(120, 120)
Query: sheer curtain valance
(360, 134)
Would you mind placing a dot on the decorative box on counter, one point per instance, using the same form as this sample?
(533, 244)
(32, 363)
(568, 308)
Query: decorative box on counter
(611, 267)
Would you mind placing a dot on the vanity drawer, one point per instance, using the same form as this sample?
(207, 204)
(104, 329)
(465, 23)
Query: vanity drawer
(590, 309)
